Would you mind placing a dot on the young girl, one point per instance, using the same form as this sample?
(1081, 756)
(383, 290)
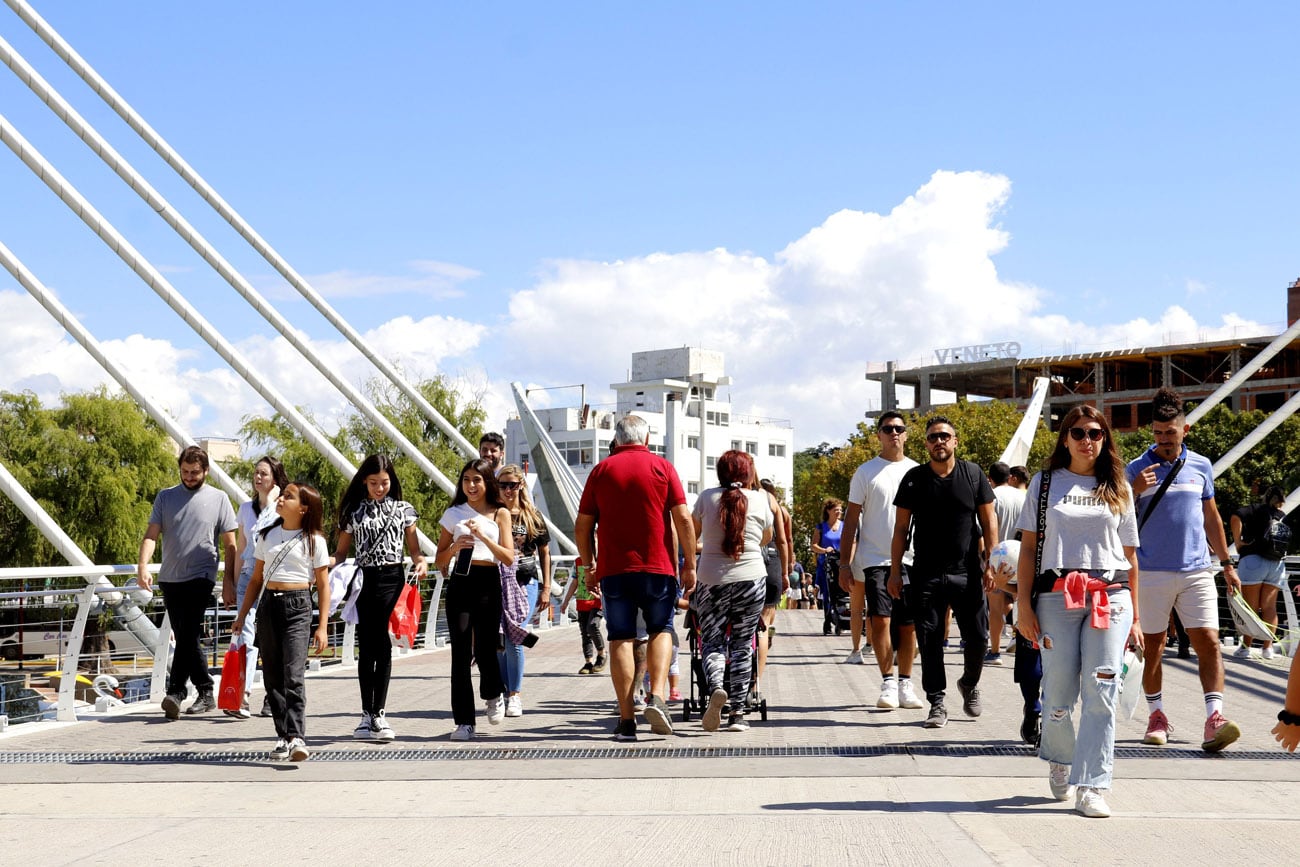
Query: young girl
(478, 522)
(532, 544)
(373, 514)
(255, 515)
(290, 554)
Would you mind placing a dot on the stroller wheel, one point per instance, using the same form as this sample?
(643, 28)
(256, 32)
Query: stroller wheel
(762, 710)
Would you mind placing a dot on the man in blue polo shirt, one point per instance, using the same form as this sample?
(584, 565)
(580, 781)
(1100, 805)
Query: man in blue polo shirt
(1180, 528)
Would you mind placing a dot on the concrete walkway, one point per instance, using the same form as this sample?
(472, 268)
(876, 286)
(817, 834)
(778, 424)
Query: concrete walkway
(828, 779)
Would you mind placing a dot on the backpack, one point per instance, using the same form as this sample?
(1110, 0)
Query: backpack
(1276, 539)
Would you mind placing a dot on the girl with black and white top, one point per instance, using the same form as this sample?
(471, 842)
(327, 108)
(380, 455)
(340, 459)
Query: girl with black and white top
(532, 543)
(477, 522)
(375, 519)
(255, 515)
(290, 555)
(733, 523)
(1081, 604)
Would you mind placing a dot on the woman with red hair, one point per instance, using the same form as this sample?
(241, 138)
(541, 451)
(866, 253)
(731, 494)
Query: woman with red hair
(733, 523)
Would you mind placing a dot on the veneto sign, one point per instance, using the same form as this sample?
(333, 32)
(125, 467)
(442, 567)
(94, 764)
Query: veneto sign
(978, 352)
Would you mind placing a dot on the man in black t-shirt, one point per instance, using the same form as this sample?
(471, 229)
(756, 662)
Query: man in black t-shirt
(947, 507)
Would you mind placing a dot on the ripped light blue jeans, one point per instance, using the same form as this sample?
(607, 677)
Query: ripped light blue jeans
(1079, 653)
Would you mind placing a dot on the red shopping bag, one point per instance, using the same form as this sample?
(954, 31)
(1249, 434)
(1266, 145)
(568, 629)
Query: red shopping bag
(404, 622)
(231, 696)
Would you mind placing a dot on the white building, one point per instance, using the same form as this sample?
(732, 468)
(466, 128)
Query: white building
(677, 392)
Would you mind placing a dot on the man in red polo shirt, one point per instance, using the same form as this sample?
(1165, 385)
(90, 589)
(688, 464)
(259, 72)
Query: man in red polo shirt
(634, 500)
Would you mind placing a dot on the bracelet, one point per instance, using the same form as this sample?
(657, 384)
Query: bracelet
(1226, 563)
(1290, 719)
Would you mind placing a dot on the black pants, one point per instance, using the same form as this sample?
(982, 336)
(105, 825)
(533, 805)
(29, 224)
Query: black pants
(380, 587)
(593, 643)
(1029, 673)
(186, 601)
(929, 597)
(283, 632)
(474, 619)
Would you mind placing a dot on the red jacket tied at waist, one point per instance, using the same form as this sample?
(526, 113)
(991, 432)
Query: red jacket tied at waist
(1076, 585)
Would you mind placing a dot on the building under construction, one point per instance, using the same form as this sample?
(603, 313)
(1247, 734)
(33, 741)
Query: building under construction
(1120, 382)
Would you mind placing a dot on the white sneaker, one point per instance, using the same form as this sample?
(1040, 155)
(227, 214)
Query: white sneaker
(280, 751)
(380, 730)
(514, 705)
(711, 720)
(907, 695)
(638, 702)
(854, 658)
(888, 694)
(362, 731)
(463, 733)
(1058, 777)
(1090, 803)
(495, 708)
(1267, 652)
(298, 751)
(1242, 652)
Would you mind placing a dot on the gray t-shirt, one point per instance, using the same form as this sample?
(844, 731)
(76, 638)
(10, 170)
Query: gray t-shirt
(1007, 503)
(1082, 531)
(192, 523)
(716, 567)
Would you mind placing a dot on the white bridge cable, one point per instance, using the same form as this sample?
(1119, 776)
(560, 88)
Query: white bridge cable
(73, 326)
(200, 245)
(100, 86)
(43, 169)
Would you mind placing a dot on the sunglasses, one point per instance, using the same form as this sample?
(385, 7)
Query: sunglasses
(1095, 434)
(892, 429)
(509, 486)
(938, 437)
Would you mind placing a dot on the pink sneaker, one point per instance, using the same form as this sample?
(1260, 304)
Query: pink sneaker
(1158, 729)
(1219, 732)
(674, 696)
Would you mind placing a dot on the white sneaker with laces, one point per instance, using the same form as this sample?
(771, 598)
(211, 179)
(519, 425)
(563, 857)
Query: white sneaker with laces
(1242, 652)
(514, 705)
(1267, 652)
(298, 751)
(281, 750)
(888, 694)
(1090, 803)
(638, 702)
(380, 730)
(362, 731)
(1058, 777)
(854, 658)
(463, 733)
(495, 710)
(907, 696)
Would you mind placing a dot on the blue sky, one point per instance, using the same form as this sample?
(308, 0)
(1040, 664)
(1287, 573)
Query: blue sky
(592, 180)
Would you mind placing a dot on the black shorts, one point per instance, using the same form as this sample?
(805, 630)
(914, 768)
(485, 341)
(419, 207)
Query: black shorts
(772, 592)
(879, 602)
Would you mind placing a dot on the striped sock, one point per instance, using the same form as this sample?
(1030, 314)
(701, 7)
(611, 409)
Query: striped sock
(1155, 701)
(1213, 703)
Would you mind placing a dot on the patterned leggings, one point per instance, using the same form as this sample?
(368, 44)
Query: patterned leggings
(729, 654)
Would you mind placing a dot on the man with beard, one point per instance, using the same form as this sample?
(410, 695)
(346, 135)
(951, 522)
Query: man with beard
(194, 518)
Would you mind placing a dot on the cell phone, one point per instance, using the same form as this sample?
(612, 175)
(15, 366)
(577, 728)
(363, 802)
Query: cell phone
(464, 557)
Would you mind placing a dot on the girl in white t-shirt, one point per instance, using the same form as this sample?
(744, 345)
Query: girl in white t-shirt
(291, 555)
(255, 515)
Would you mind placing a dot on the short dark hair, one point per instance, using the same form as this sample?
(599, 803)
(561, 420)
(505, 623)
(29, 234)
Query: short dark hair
(938, 419)
(999, 473)
(887, 415)
(1166, 406)
(494, 438)
(193, 455)
(1020, 473)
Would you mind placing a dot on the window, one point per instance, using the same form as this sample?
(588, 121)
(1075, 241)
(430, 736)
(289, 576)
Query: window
(711, 463)
(693, 443)
(692, 487)
(707, 391)
(575, 454)
(735, 445)
(656, 449)
(776, 450)
(751, 447)
(721, 419)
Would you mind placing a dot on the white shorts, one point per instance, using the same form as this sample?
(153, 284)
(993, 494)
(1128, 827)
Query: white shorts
(1192, 594)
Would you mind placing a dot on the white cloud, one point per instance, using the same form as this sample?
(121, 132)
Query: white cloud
(426, 277)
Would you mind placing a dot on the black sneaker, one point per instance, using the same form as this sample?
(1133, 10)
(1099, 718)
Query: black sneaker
(657, 715)
(625, 730)
(587, 669)
(938, 717)
(600, 664)
(970, 699)
(1031, 728)
(266, 707)
(171, 705)
(204, 703)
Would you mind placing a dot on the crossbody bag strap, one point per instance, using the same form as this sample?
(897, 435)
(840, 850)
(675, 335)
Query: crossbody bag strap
(1160, 492)
(1044, 486)
(279, 559)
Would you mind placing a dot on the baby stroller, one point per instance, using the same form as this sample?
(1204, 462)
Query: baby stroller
(836, 603)
(696, 699)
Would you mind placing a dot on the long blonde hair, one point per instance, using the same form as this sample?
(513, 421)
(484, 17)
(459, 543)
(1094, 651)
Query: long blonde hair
(534, 523)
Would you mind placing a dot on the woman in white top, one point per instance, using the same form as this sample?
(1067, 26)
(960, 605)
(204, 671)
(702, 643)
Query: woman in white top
(254, 515)
(291, 555)
(1081, 606)
(478, 522)
(733, 523)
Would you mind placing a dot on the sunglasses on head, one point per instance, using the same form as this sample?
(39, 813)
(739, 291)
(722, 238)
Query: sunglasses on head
(508, 486)
(892, 429)
(1095, 434)
(938, 436)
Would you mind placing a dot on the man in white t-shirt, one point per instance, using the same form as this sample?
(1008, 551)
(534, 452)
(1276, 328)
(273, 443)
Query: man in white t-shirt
(1008, 500)
(865, 560)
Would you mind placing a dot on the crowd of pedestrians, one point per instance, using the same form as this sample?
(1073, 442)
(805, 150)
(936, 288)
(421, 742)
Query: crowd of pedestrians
(1100, 544)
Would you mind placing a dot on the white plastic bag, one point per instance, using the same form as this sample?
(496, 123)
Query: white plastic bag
(1130, 685)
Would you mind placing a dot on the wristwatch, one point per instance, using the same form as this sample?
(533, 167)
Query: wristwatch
(1226, 563)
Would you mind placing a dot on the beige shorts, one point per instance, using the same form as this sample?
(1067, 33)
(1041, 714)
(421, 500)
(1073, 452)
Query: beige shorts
(1192, 594)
